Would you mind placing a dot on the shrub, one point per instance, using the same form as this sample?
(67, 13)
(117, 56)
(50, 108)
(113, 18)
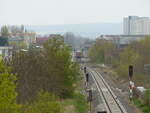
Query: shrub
(7, 91)
(80, 103)
(44, 103)
(147, 97)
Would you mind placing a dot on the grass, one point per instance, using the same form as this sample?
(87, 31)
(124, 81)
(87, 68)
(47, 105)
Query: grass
(77, 104)
(139, 104)
(80, 103)
(68, 106)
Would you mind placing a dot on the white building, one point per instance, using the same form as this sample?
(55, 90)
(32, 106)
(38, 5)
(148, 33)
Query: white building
(126, 26)
(122, 40)
(128, 23)
(134, 25)
(142, 26)
(5, 52)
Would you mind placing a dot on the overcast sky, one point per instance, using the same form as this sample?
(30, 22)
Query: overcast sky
(47, 12)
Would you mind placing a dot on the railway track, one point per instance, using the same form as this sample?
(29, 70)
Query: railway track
(111, 102)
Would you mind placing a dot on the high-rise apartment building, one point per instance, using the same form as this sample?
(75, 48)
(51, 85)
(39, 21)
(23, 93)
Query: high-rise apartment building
(134, 25)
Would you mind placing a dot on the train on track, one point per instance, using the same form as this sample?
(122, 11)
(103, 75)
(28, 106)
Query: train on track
(78, 55)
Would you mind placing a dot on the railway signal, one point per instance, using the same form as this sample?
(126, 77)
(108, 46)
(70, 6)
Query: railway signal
(87, 77)
(130, 71)
(131, 87)
(131, 83)
(90, 95)
(84, 69)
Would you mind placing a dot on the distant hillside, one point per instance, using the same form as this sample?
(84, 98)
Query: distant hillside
(86, 30)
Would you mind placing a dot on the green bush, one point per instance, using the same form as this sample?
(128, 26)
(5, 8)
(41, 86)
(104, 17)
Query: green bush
(147, 97)
(80, 103)
(54, 72)
(144, 108)
(7, 91)
(101, 51)
(44, 103)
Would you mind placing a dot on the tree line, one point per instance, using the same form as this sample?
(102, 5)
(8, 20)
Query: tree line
(137, 53)
(8, 31)
(37, 79)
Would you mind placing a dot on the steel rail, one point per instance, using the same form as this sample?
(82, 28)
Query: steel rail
(121, 108)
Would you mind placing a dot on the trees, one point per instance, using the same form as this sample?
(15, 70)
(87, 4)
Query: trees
(18, 45)
(7, 91)
(101, 51)
(3, 41)
(4, 36)
(75, 41)
(4, 31)
(44, 103)
(17, 29)
(57, 56)
(137, 53)
(49, 69)
(127, 57)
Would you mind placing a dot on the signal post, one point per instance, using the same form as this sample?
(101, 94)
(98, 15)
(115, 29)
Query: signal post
(131, 83)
